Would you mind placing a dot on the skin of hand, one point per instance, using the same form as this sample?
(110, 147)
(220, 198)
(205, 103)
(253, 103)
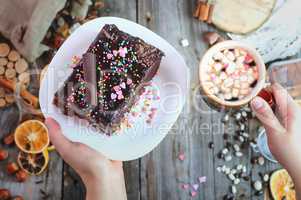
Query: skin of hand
(103, 178)
(283, 130)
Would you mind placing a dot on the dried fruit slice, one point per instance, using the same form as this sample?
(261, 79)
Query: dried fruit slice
(32, 136)
(282, 186)
(4, 49)
(51, 147)
(33, 164)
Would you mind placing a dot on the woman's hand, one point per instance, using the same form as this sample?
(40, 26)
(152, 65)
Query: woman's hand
(103, 178)
(283, 131)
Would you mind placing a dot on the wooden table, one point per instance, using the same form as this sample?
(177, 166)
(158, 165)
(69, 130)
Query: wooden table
(159, 174)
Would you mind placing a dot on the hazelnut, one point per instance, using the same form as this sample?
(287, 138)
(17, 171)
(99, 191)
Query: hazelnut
(9, 139)
(4, 194)
(12, 168)
(21, 176)
(211, 37)
(3, 154)
(17, 198)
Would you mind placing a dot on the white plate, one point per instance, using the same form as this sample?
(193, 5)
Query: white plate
(171, 81)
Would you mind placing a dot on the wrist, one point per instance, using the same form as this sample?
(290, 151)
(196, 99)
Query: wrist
(102, 186)
(103, 175)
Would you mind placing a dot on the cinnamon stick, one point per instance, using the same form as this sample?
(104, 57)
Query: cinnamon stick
(27, 96)
(204, 11)
(209, 19)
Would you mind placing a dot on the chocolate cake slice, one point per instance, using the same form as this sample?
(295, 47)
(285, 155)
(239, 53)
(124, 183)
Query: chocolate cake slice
(108, 79)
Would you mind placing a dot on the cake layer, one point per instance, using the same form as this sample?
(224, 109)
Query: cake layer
(108, 79)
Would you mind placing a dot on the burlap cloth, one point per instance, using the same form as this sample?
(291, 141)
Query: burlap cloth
(25, 22)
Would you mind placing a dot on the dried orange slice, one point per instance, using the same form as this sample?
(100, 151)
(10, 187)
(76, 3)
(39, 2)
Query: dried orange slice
(51, 147)
(282, 186)
(32, 136)
(33, 164)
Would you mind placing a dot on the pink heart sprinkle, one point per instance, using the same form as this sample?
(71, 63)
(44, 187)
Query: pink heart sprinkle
(193, 193)
(117, 88)
(181, 156)
(109, 56)
(113, 96)
(195, 186)
(122, 52)
(202, 179)
(122, 85)
(120, 97)
(129, 81)
(119, 92)
(185, 186)
(115, 52)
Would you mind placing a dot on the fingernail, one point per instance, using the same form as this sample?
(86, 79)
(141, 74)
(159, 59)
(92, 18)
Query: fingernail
(257, 103)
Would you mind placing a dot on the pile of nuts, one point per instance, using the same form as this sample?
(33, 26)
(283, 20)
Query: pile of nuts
(231, 74)
(12, 67)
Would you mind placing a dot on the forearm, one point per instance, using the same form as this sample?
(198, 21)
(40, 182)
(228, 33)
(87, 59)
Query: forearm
(109, 186)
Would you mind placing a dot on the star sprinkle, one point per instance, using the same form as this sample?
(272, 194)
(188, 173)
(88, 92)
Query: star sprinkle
(195, 186)
(113, 96)
(202, 179)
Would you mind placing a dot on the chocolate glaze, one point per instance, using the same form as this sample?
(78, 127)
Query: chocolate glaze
(124, 64)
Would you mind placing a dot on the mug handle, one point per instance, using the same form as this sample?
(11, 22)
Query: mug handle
(268, 96)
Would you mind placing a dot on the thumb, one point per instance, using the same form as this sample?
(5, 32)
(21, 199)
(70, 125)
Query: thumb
(61, 143)
(266, 116)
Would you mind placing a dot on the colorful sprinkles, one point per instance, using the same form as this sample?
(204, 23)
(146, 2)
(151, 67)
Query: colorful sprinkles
(145, 107)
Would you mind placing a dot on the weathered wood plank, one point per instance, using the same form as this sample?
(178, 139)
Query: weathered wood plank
(50, 180)
(73, 186)
(161, 171)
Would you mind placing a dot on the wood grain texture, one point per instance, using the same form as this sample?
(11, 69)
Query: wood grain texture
(162, 173)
